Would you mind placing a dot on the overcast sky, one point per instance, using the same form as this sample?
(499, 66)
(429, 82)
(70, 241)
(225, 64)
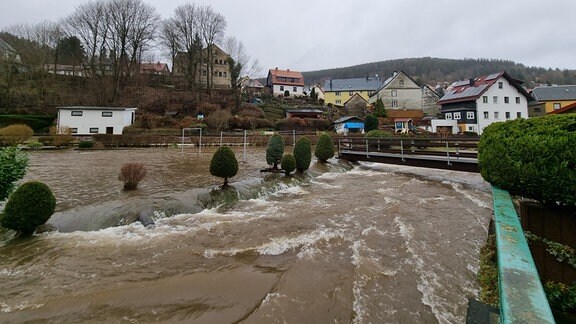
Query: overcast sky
(312, 35)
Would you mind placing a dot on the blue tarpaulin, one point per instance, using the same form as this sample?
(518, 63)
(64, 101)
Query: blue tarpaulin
(352, 125)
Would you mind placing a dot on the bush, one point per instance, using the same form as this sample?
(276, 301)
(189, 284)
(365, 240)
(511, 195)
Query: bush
(131, 174)
(15, 134)
(13, 164)
(288, 163)
(324, 148)
(85, 144)
(303, 153)
(378, 134)
(533, 158)
(224, 164)
(275, 150)
(30, 206)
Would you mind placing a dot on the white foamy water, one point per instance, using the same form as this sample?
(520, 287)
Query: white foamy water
(375, 244)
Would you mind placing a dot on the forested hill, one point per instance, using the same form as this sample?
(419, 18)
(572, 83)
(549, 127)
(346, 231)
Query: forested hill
(428, 70)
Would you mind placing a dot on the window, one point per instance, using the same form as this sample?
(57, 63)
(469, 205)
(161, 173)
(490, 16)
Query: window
(470, 115)
(281, 88)
(457, 115)
(337, 93)
(448, 116)
(338, 101)
(557, 105)
(76, 113)
(74, 130)
(495, 99)
(517, 100)
(484, 99)
(106, 114)
(506, 100)
(518, 114)
(537, 109)
(486, 115)
(500, 85)
(401, 83)
(294, 89)
(496, 115)
(93, 130)
(394, 103)
(203, 72)
(225, 74)
(470, 128)
(507, 115)
(394, 93)
(220, 74)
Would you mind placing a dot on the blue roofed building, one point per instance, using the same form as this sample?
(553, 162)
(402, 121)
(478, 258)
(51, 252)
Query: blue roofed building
(349, 124)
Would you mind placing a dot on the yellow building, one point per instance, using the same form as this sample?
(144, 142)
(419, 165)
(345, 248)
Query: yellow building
(555, 97)
(339, 91)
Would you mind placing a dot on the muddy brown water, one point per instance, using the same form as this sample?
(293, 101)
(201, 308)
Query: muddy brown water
(344, 243)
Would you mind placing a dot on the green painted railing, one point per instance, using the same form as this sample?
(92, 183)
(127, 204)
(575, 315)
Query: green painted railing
(522, 297)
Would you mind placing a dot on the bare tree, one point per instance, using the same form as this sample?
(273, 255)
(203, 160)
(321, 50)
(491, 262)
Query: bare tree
(169, 40)
(188, 41)
(89, 22)
(212, 27)
(237, 51)
(132, 27)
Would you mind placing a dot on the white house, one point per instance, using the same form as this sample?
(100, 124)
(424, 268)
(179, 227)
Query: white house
(95, 120)
(349, 124)
(285, 82)
(479, 102)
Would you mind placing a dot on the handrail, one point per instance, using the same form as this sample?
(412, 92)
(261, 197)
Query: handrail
(522, 298)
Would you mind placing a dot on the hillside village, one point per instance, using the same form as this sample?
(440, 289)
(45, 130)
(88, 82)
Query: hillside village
(103, 92)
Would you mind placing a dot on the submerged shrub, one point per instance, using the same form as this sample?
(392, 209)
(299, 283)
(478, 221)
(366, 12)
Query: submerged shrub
(131, 174)
(86, 144)
(303, 153)
(533, 158)
(275, 150)
(13, 164)
(224, 164)
(378, 134)
(324, 148)
(30, 206)
(288, 163)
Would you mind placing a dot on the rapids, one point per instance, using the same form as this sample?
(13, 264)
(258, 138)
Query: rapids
(365, 243)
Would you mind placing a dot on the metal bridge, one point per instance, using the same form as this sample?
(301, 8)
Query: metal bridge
(459, 154)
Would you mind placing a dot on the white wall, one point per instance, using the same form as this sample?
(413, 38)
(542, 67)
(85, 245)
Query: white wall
(277, 92)
(501, 107)
(92, 118)
(446, 123)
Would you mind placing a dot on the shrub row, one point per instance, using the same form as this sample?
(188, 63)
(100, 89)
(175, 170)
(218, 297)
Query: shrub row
(533, 158)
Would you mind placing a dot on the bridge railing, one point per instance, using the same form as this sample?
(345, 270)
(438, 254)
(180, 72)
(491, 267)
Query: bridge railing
(522, 298)
(449, 147)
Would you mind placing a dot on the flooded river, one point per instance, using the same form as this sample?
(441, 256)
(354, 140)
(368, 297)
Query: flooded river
(343, 243)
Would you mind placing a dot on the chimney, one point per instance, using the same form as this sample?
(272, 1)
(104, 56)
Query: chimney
(276, 68)
(330, 84)
(287, 70)
(471, 81)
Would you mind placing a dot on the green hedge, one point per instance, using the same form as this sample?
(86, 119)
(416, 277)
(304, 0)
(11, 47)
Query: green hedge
(39, 123)
(533, 158)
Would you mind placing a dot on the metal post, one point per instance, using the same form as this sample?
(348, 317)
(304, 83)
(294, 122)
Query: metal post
(182, 146)
(244, 153)
(367, 152)
(402, 151)
(200, 142)
(293, 137)
(221, 138)
(447, 153)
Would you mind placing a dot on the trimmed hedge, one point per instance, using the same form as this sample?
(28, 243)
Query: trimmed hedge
(275, 150)
(288, 163)
(39, 123)
(224, 164)
(30, 206)
(324, 148)
(533, 158)
(303, 153)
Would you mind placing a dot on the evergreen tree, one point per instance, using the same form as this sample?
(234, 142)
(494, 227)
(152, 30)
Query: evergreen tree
(275, 150)
(379, 110)
(303, 153)
(30, 206)
(288, 163)
(324, 148)
(370, 123)
(224, 164)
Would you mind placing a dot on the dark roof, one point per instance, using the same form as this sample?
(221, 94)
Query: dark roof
(565, 92)
(94, 108)
(471, 90)
(356, 95)
(354, 84)
(318, 111)
(565, 110)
